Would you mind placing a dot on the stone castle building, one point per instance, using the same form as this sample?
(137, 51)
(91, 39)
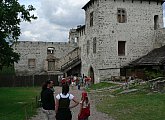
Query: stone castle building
(40, 57)
(115, 33)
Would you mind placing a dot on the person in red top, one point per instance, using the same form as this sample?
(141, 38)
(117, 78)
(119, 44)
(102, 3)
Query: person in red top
(63, 81)
(84, 112)
(87, 81)
(68, 80)
(74, 81)
(84, 93)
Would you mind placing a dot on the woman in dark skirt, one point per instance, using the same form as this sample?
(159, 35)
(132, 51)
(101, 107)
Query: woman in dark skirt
(62, 106)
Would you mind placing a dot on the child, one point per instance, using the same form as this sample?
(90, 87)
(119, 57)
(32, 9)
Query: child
(84, 107)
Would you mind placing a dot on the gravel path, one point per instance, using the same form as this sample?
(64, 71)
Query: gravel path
(95, 115)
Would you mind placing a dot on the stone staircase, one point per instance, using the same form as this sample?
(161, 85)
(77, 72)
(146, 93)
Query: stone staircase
(69, 61)
(70, 64)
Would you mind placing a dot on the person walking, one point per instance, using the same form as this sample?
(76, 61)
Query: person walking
(47, 100)
(84, 112)
(63, 106)
(81, 81)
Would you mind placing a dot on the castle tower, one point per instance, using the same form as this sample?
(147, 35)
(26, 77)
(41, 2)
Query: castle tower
(73, 36)
(118, 32)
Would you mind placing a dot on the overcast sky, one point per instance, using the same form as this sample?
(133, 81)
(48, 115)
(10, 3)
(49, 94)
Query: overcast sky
(55, 19)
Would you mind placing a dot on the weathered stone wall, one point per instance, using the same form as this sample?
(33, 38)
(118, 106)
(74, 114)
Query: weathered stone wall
(138, 33)
(73, 36)
(38, 51)
(159, 37)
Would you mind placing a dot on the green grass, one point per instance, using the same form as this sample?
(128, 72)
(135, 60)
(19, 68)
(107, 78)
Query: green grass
(18, 103)
(140, 105)
(100, 85)
(134, 107)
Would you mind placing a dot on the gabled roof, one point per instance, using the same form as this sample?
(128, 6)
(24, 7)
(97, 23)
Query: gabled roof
(155, 57)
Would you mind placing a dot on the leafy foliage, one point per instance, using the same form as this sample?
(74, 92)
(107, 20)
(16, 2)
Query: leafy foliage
(154, 74)
(11, 14)
(7, 70)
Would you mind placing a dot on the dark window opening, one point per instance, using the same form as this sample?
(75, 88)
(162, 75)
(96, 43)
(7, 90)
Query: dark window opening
(121, 48)
(121, 15)
(91, 19)
(94, 45)
(156, 25)
(50, 50)
(31, 63)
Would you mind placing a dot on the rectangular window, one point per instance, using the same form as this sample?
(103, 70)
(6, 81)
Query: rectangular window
(51, 65)
(91, 19)
(121, 15)
(121, 48)
(50, 50)
(156, 25)
(31, 63)
(88, 47)
(94, 45)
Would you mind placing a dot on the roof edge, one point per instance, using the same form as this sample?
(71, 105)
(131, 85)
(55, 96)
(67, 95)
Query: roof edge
(92, 1)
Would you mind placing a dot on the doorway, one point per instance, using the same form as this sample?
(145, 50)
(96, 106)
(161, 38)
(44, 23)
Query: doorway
(91, 74)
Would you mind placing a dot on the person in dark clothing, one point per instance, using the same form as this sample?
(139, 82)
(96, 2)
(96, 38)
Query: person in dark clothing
(63, 107)
(47, 100)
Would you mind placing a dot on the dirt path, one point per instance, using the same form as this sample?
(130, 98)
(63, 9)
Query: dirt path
(95, 115)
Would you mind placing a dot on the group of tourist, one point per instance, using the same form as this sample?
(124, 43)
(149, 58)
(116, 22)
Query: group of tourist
(58, 107)
(76, 81)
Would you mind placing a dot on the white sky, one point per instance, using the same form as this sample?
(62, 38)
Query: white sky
(55, 19)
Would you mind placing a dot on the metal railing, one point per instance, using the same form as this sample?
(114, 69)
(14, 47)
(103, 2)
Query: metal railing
(70, 63)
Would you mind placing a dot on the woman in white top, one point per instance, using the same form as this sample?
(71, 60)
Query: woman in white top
(62, 105)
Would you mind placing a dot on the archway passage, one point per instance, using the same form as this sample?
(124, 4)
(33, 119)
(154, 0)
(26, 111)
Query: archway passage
(91, 74)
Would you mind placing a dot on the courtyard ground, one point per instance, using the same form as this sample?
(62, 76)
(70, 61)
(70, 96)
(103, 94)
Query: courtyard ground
(95, 115)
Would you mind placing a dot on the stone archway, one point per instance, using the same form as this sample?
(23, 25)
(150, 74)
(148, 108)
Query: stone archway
(91, 74)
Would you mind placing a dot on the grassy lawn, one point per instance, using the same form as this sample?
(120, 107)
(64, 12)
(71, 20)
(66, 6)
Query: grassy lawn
(18, 103)
(100, 85)
(140, 105)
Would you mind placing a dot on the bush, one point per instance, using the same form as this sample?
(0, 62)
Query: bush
(154, 74)
(7, 71)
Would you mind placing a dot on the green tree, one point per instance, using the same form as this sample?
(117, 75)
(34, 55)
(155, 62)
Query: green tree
(11, 15)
